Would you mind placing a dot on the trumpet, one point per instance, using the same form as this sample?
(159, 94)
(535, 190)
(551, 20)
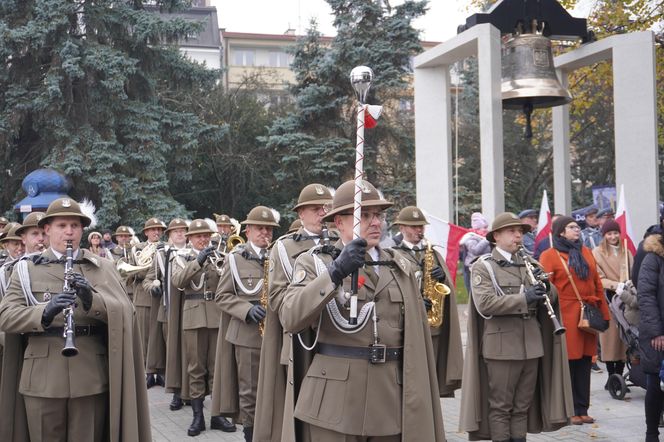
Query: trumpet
(541, 279)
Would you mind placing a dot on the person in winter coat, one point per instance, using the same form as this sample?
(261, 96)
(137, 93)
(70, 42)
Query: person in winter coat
(651, 328)
(568, 254)
(614, 262)
(474, 244)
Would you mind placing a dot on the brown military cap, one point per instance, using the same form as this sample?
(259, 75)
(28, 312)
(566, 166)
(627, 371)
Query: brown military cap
(7, 228)
(123, 230)
(506, 219)
(176, 223)
(199, 226)
(223, 220)
(3, 221)
(154, 223)
(343, 198)
(11, 234)
(32, 220)
(313, 194)
(295, 226)
(261, 216)
(64, 207)
(411, 216)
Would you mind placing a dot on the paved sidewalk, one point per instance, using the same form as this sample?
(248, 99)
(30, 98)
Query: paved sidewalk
(615, 420)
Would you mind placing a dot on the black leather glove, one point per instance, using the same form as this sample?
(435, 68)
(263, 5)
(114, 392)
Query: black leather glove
(537, 274)
(535, 294)
(428, 304)
(350, 259)
(438, 274)
(57, 303)
(204, 254)
(256, 314)
(155, 291)
(83, 290)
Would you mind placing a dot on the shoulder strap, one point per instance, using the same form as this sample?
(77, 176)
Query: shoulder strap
(569, 276)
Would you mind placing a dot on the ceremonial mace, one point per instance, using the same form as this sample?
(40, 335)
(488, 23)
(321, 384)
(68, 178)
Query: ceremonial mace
(360, 79)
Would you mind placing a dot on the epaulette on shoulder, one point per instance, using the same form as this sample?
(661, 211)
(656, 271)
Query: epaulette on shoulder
(289, 235)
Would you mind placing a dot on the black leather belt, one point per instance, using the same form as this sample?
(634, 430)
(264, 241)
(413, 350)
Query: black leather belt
(375, 354)
(207, 296)
(79, 330)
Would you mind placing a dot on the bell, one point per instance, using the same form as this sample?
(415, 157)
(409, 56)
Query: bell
(528, 76)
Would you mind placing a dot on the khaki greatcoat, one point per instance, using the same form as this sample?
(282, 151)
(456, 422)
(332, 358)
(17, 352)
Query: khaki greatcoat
(354, 396)
(128, 416)
(508, 336)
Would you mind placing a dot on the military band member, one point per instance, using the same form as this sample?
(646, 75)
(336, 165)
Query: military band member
(4, 253)
(276, 348)
(197, 277)
(239, 294)
(3, 222)
(32, 235)
(375, 380)
(516, 377)
(157, 283)
(153, 230)
(122, 253)
(446, 338)
(224, 225)
(70, 398)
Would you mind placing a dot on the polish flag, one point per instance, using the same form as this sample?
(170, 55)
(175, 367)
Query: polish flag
(622, 218)
(544, 220)
(446, 237)
(371, 114)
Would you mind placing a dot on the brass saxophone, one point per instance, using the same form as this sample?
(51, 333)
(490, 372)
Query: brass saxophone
(264, 291)
(433, 290)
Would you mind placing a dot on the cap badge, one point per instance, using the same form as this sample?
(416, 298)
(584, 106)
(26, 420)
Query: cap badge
(264, 214)
(319, 190)
(66, 203)
(364, 187)
(199, 224)
(416, 214)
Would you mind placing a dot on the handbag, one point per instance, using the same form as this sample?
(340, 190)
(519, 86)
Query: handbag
(591, 319)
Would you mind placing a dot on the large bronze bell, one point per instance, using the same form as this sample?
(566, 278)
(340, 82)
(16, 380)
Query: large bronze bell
(528, 75)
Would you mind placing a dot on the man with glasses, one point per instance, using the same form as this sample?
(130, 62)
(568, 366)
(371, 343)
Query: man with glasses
(374, 379)
(276, 348)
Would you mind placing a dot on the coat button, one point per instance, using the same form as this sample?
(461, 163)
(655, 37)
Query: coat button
(322, 292)
(323, 372)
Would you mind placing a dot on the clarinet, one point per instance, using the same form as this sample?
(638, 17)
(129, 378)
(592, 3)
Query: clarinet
(541, 279)
(69, 330)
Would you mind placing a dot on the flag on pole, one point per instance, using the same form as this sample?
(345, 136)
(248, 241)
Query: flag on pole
(622, 218)
(371, 114)
(544, 220)
(445, 236)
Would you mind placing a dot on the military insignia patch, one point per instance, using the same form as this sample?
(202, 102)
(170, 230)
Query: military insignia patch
(364, 187)
(299, 276)
(416, 214)
(199, 224)
(66, 203)
(264, 214)
(47, 297)
(477, 280)
(320, 190)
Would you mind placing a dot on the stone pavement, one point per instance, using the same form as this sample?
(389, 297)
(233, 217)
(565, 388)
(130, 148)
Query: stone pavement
(615, 420)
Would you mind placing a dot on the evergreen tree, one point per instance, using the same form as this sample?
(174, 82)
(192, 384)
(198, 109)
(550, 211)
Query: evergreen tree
(85, 91)
(316, 142)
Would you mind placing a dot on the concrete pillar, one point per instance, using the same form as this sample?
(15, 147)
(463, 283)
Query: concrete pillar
(562, 177)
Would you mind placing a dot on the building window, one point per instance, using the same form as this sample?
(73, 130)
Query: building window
(243, 57)
(280, 59)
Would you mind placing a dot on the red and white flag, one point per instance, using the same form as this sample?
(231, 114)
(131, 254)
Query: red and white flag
(544, 221)
(371, 114)
(622, 218)
(447, 236)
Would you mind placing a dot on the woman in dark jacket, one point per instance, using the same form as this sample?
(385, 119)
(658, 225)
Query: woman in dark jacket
(651, 328)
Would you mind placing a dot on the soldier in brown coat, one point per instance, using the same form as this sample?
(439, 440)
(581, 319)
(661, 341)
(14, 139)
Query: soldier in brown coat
(158, 283)
(276, 348)
(374, 380)
(446, 338)
(239, 293)
(94, 395)
(511, 384)
(197, 277)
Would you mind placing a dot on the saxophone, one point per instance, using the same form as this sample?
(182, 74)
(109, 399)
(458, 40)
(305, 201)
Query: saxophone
(433, 290)
(264, 291)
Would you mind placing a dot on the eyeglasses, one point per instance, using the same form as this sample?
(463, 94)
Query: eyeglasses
(368, 217)
(573, 227)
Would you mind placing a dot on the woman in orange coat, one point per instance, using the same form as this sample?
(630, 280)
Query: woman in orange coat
(581, 345)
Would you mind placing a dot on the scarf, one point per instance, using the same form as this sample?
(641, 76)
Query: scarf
(575, 260)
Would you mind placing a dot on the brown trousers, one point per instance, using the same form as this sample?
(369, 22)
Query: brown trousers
(324, 435)
(247, 359)
(143, 320)
(511, 389)
(200, 347)
(80, 419)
